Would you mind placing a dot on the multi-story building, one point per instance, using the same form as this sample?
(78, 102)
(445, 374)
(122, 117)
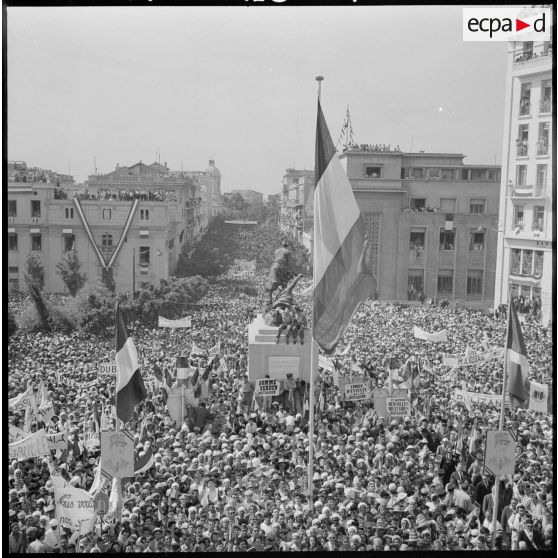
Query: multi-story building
(524, 255)
(297, 192)
(128, 227)
(251, 197)
(210, 178)
(431, 223)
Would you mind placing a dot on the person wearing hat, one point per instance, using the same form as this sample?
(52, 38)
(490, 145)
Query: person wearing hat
(52, 535)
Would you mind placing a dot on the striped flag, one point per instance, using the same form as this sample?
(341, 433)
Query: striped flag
(517, 365)
(341, 275)
(130, 389)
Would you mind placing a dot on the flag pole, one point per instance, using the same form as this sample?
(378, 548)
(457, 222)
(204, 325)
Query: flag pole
(319, 79)
(501, 427)
(117, 375)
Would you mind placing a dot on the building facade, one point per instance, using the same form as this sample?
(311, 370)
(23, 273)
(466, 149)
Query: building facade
(210, 178)
(128, 227)
(431, 223)
(297, 190)
(524, 256)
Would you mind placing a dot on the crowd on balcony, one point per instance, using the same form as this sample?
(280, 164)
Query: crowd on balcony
(34, 175)
(422, 209)
(382, 148)
(530, 54)
(128, 194)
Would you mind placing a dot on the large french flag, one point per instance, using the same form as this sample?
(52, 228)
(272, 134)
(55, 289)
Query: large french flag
(130, 389)
(517, 365)
(342, 278)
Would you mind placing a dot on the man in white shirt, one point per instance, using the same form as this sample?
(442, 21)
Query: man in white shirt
(52, 535)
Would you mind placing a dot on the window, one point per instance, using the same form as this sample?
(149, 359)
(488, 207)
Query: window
(544, 135)
(546, 96)
(12, 208)
(107, 213)
(477, 206)
(514, 290)
(518, 212)
(527, 262)
(372, 172)
(144, 214)
(494, 174)
(541, 176)
(417, 204)
(445, 281)
(538, 264)
(465, 174)
(478, 174)
(447, 205)
(13, 284)
(416, 284)
(69, 242)
(476, 240)
(525, 99)
(35, 208)
(521, 175)
(448, 174)
(522, 141)
(69, 212)
(417, 173)
(171, 243)
(515, 262)
(474, 282)
(434, 174)
(106, 240)
(538, 218)
(13, 269)
(447, 240)
(417, 240)
(144, 256)
(12, 241)
(35, 242)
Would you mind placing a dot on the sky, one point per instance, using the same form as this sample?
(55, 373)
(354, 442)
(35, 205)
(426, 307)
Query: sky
(237, 84)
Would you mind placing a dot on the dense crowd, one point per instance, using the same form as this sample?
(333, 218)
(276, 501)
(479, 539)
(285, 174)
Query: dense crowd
(234, 476)
(35, 174)
(383, 148)
(152, 194)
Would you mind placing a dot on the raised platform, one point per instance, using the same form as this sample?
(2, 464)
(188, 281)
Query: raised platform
(266, 357)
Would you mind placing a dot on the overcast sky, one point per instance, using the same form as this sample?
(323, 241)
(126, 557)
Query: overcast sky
(237, 84)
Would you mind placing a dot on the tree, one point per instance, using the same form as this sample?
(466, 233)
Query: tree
(69, 270)
(12, 324)
(34, 276)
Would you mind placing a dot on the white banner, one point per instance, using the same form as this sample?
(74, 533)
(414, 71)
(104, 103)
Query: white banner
(23, 401)
(499, 452)
(15, 433)
(326, 363)
(266, 386)
(437, 337)
(183, 322)
(450, 361)
(358, 391)
(75, 508)
(35, 445)
(398, 407)
(215, 350)
(470, 397)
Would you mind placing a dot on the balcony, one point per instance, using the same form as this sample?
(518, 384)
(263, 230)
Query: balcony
(522, 149)
(526, 191)
(545, 106)
(529, 61)
(525, 107)
(542, 146)
(416, 257)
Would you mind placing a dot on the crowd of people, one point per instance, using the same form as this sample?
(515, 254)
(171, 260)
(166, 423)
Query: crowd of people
(382, 148)
(234, 475)
(34, 175)
(128, 194)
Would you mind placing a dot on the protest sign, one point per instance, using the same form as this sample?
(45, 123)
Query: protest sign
(470, 397)
(398, 407)
(183, 322)
(538, 397)
(16, 433)
(23, 402)
(266, 386)
(107, 369)
(57, 441)
(499, 452)
(117, 449)
(437, 337)
(34, 445)
(357, 391)
(75, 508)
(450, 361)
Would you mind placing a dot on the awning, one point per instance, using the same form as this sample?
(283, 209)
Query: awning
(35, 231)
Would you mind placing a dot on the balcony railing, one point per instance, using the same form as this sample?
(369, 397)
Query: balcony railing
(525, 107)
(522, 150)
(527, 191)
(542, 147)
(526, 58)
(545, 106)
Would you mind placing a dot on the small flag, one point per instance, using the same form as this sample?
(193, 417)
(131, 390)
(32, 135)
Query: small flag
(130, 388)
(157, 372)
(517, 365)
(538, 397)
(168, 379)
(194, 377)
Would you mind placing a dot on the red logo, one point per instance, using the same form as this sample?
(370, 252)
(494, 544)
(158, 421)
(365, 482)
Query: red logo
(519, 25)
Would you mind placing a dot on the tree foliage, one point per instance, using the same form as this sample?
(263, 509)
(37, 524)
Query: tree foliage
(69, 270)
(34, 276)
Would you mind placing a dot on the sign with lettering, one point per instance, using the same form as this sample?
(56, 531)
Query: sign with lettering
(107, 369)
(267, 386)
(358, 391)
(470, 397)
(398, 407)
(75, 508)
(35, 445)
